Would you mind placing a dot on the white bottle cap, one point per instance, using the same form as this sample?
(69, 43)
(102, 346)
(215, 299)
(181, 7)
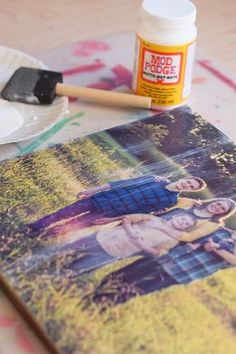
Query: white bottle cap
(169, 13)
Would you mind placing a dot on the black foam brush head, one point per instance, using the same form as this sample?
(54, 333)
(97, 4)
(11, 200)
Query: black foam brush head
(33, 86)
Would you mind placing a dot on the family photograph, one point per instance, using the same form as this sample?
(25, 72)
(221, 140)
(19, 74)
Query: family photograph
(123, 222)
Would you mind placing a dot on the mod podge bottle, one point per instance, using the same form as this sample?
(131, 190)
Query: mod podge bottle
(165, 47)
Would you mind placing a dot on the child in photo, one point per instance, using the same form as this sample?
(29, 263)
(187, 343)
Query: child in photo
(135, 234)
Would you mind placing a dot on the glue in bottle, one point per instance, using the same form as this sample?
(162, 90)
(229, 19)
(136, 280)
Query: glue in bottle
(165, 46)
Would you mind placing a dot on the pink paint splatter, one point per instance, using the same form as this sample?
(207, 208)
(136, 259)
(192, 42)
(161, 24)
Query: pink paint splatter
(21, 338)
(206, 64)
(83, 69)
(123, 77)
(24, 342)
(6, 321)
(199, 80)
(87, 48)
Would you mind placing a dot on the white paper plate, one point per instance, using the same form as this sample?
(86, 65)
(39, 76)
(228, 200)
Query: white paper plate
(37, 119)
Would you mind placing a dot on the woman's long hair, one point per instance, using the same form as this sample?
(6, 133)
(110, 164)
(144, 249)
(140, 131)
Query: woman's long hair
(219, 217)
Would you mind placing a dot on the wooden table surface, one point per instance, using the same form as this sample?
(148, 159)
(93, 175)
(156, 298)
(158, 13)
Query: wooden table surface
(38, 27)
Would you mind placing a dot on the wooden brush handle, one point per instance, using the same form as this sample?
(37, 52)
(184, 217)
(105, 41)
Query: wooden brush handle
(102, 96)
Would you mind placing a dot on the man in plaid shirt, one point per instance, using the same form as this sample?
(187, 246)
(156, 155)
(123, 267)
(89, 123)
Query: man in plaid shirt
(182, 264)
(136, 195)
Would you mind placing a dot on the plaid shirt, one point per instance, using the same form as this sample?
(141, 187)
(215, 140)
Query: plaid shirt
(184, 265)
(136, 195)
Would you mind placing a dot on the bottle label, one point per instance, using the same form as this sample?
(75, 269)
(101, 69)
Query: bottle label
(163, 72)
